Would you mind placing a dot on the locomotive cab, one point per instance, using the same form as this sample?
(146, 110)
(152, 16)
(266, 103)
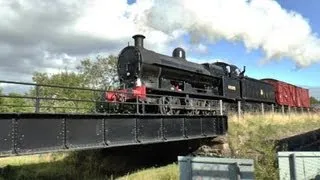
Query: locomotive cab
(214, 69)
(231, 76)
(230, 70)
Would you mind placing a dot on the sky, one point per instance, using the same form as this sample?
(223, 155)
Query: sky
(273, 39)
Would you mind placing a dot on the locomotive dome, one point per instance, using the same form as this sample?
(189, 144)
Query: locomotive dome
(179, 53)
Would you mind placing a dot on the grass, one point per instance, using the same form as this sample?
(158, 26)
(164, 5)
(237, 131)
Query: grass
(31, 159)
(169, 172)
(33, 167)
(249, 137)
(252, 135)
(276, 125)
(72, 165)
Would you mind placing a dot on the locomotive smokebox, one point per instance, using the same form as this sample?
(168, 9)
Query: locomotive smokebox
(138, 40)
(179, 53)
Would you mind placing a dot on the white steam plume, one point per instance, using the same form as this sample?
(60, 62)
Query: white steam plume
(259, 24)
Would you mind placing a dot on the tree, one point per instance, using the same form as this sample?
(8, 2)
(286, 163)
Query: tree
(313, 100)
(17, 104)
(2, 103)
(101, 73)
(14, 103)
(74, 99)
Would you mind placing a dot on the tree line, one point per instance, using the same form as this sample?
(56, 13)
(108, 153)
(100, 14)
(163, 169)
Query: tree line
(99, 73)
(313, 100)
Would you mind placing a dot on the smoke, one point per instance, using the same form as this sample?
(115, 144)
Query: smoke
(259, 24)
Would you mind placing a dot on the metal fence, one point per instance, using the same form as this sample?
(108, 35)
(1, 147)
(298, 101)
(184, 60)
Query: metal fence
(62, 99)
(49, 98)
(206, 168)
(299, 165)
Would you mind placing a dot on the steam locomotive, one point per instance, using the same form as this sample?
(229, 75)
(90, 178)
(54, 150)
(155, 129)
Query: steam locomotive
(173, 85)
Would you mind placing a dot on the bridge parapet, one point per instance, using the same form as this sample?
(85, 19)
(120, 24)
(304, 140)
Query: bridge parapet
(29, 133)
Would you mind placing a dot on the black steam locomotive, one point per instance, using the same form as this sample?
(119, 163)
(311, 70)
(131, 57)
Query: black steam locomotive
(177, 86)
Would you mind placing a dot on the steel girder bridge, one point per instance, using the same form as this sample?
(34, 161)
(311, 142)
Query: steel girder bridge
(37, 133)
(42, 125)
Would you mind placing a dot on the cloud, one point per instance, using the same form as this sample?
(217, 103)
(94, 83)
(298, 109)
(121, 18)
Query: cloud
(259, 24)
(48, 36)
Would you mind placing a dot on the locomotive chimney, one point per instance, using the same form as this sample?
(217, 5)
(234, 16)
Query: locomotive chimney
(138, 40)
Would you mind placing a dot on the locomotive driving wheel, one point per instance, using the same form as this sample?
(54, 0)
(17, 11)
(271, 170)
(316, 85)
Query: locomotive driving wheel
(169, 105)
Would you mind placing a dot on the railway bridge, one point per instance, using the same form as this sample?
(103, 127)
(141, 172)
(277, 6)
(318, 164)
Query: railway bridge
(45, 132)
(43, 122)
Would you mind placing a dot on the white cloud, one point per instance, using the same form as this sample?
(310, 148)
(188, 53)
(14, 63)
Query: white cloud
(259, 24)
(201, 48)
(105, 19)
(48, 36)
